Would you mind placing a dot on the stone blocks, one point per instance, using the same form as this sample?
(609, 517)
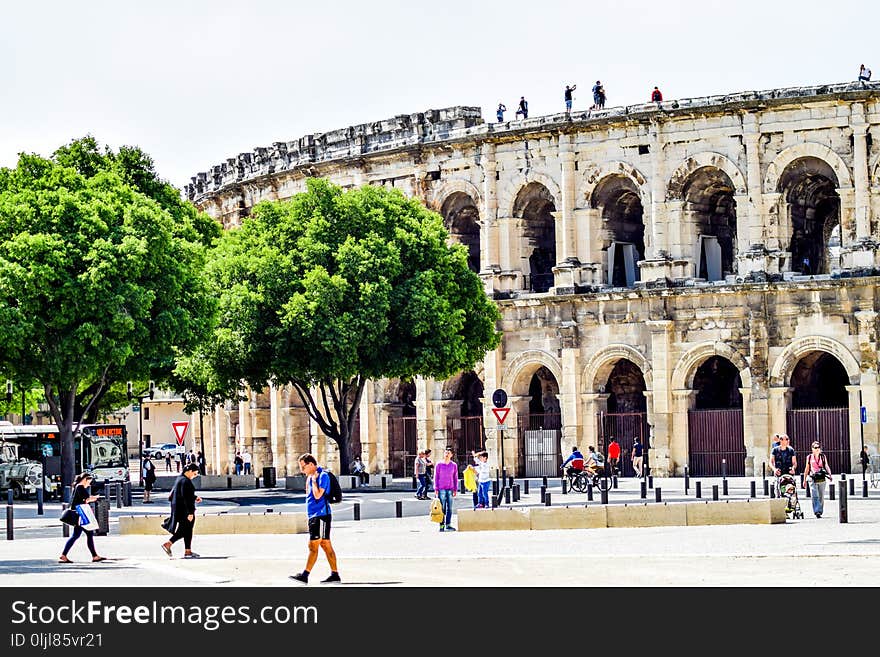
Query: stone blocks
(223, 523)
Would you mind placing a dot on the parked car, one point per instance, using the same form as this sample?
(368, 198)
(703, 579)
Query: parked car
(162, 450)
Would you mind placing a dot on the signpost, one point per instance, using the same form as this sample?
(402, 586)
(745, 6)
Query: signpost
(180, 431)
(499, 399)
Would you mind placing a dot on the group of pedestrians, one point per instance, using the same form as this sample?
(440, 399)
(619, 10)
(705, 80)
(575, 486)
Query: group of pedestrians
(243, 462)
(817, 472)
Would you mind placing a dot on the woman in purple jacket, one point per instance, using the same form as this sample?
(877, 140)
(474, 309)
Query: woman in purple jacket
(446, 485)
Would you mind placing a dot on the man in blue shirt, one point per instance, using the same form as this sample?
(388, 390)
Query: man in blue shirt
(318, 509)
(576, 459)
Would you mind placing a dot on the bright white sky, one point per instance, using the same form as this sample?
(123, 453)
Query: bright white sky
(196, 82)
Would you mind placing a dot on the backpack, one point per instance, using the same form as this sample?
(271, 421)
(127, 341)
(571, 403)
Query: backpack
(334, 494)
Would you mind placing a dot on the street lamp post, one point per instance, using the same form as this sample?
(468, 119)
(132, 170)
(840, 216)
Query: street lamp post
(141, 396)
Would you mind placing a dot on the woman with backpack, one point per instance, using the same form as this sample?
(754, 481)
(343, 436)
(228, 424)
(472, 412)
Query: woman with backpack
(818, 471)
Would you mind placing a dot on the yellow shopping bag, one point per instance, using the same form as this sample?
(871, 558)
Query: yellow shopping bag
(436, 510)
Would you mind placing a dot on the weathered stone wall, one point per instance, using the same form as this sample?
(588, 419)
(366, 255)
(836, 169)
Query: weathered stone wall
(668, 234)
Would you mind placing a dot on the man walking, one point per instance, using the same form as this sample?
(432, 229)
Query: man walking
(523, 108)
(318, 510)
(614, 455)
(183, 511)
(446, 485)
(568, 90)
(246, 460)
(637, 453)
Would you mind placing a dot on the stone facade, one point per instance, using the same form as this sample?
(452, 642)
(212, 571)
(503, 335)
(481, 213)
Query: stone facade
(667, 259)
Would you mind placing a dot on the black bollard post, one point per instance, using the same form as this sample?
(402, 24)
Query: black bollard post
(118, 495)
(590, 492)
(772, 492)
(10, 531)
(830, 491)
(544, 481)
(506, 495)
(714, 492)
(525, 486)
(650, 481)
(543, 493)
(643, 489)
(398, 510)
(687, 479)
(40, 501)
(547, 499)
(356, 510)
(510, 480)
(495, 487)
(127, 493)
(698, 490)
(724, 468)
(461, 488)
(614, 481)
(763, 471)
(724, 486)
(603, 496)
(516, 492)
(843, 505)
(852, 487)
(752, 488)
(657, 496)
(864, 488)
(384, 482)
(494, 501)
(565, 486)
(229, 481)
(415, 483)
(9, 497)
(766, 487)
(807, 490)
(65, 528)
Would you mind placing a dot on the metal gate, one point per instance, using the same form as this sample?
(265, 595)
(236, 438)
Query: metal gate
(830, 426)
(624, 427)
(713, 435)
(465, 435)
(540, 438)
(402, 438)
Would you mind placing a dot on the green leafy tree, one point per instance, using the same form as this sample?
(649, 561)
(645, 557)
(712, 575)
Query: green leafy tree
(33, 397)
(332, 288)
(101, 277)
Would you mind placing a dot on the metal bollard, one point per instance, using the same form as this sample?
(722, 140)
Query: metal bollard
(724, 486)
(643, 489)
(356, 510)
(714, 492)
(772, 492)
(614, 481)
(398, 509)
(40, 501)
(494, 501)
(118, 495)
(543, 493)
(495, 487)
(766, 487)
(698, 490)
(9, 497)
(752, 488)
(384, 482)
(10, 528)
(516, 492)
(506, 495)
(229, 482)
(415, 483)
(843, 505)
(544, 481)
(590, 492)
(603, 496)
(547, 499)
(686, 480)
(257, 482)
(565, 486)
(65, 528)
(461, 488)
(807, 490)
(657, 496)
(852, 487)
(724, 468)
(650, 481)
(526, 487)
(864, 488)
(510, 481)
(830, 491)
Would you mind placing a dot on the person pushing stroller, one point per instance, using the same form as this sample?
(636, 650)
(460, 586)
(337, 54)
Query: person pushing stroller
(783, 461)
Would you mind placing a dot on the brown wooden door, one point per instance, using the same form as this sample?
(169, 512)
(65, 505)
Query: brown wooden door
(624, 427)
(830, 426)
(715, 435)
(402, 436)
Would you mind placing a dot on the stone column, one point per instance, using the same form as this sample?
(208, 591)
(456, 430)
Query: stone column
(658, 229)
(868, 383)
(678, 438)
(778, 405)
(593, 404)
(569, 393)
(749, 436)
(490, 263)
(425, 413)
(855, 427)
(661, 410)
(860, 172)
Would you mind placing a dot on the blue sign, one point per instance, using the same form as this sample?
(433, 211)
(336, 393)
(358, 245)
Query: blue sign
(864, 415)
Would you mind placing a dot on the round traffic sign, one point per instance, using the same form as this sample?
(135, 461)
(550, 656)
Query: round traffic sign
(499, 398)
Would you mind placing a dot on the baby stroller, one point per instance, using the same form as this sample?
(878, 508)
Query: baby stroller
(786, 486)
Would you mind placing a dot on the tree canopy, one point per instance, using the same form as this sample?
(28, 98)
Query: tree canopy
(331, 288)
(101, 276)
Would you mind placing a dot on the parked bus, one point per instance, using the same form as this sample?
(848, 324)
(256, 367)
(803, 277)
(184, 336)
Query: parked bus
(98, 448)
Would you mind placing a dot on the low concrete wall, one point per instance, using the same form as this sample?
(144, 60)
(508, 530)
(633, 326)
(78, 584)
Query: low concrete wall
(573, 517)
(221, 482)
(770, 511)
(295, 482)
(223, 523)
(492, 519)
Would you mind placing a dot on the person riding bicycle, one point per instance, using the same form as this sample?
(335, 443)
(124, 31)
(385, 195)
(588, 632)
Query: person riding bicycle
(595, 461)
(577, 462)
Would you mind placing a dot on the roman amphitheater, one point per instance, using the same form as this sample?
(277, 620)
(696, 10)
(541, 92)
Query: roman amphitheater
(700, 273)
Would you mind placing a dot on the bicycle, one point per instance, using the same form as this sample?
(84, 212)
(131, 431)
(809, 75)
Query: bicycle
(579, 480)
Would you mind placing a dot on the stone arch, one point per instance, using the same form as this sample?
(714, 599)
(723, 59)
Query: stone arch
(518, 373)
(798, 151)
(594, 175)
(461, 217)
(450, 187)
(600, 364)
(677, 183)
(686, 368)
(783, 367)
(515, 185)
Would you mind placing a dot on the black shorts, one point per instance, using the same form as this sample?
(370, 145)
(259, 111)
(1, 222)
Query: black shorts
(148, 485)
(319, 528)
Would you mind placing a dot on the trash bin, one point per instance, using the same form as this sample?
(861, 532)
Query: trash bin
(268, 477)
(102, 515)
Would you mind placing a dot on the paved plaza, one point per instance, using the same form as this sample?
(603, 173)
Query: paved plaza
(410, 551)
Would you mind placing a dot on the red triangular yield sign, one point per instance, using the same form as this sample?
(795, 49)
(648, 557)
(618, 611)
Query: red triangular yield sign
(501, 414)
(180, 430)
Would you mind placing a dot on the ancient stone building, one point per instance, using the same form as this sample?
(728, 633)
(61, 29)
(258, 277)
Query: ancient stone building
(699, 272)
